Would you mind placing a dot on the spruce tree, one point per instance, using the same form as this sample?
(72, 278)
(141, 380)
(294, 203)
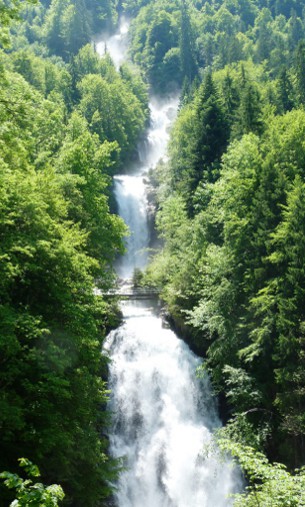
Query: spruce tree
(300, 71)
(231, 97)
(295, 31)
(264, 41)
(284, 91)
(211, 132)
(248, 113)
(189, 65)
(53, 26)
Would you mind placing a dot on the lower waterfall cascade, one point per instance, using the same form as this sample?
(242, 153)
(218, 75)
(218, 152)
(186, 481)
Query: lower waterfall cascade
(163, 418)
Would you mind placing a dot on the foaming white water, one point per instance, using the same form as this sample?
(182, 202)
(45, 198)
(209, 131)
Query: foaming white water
(132, 206)
(117, 44)
(131, 190)
(163, 417)
(162, 114)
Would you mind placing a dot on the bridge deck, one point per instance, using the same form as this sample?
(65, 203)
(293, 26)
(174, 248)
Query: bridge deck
(127, 292)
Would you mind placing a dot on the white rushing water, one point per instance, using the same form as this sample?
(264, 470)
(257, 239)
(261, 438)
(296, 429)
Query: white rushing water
(132, 206)
(163, 419)
(130, 190)
(116, 45)
(163, 415)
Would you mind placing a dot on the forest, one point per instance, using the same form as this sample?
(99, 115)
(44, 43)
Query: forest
(230, 213)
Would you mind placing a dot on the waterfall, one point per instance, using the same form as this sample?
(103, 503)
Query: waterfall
(130, 190)
(132, 205)
(163, 415)
(116, 45)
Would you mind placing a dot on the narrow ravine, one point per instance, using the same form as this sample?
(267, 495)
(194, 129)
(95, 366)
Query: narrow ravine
(163, 415)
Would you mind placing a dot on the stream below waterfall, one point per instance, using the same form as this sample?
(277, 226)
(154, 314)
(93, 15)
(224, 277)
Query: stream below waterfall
(163, 415)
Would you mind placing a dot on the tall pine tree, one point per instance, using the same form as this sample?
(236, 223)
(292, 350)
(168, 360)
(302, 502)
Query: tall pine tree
(189, 65)
(300, 71)
(211, 132)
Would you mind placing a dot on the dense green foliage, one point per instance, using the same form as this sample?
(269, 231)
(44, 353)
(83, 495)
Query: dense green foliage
(176, 40)
(163, 44)
(65, 129)
(61, 27)
(270, 485)
(231, 214)
(29, 493)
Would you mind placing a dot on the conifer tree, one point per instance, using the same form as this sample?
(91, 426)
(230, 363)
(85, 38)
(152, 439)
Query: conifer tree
(187, 45)
(211, 132)
(285, 91)
(295, 30)
(248, 112)
(53, 26)
(76, 27)
(300, 71)
(231, 97)
(264, 41)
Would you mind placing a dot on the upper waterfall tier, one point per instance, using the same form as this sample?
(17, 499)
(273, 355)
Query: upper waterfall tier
(116, 45)
(130, 190)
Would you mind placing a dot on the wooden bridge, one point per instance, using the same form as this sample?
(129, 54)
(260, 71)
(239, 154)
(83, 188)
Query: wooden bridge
(126, 291)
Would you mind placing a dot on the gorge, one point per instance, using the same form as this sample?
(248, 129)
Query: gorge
(163, 415)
